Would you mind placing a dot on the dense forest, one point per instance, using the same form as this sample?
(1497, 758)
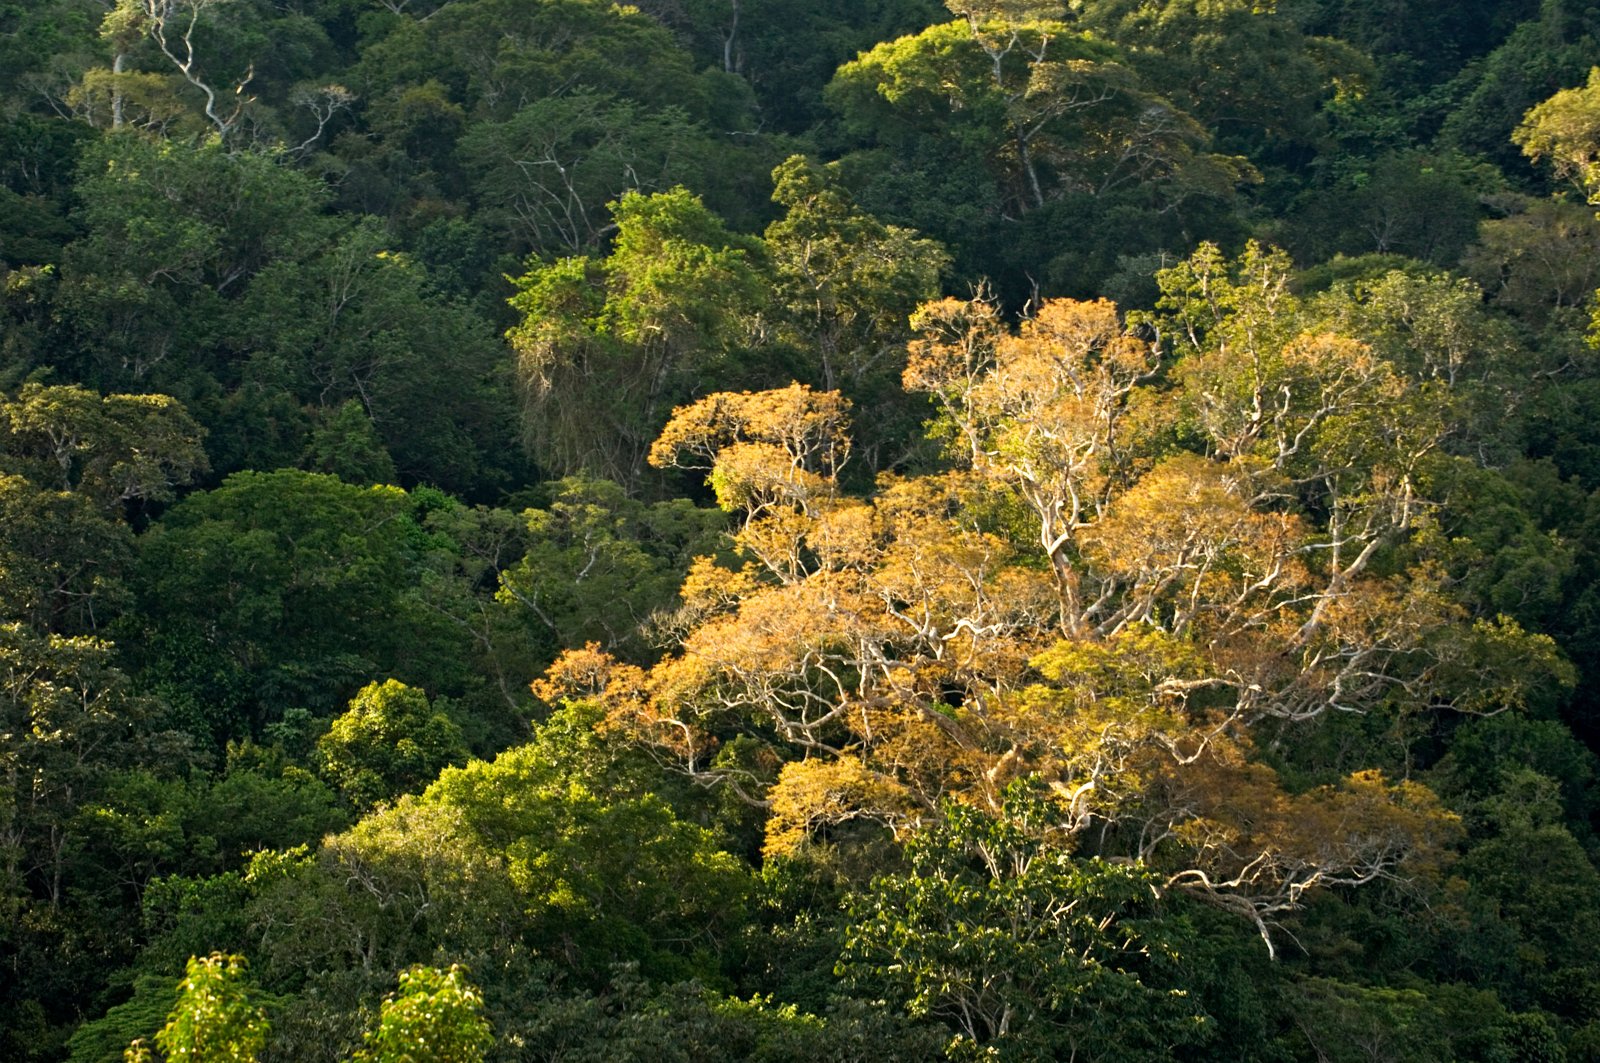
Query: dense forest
(787, 530)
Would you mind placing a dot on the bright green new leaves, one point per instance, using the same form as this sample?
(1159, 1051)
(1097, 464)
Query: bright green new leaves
(1566, 130)
(601, 877)
(215, 1019)
(606, 347)
(436, 1017)
(504, 859)
(391, 741)
(1004, 934)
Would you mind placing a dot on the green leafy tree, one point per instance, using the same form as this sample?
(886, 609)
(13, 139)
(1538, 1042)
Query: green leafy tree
(546, 173)
(1555, 45)
(686, 1022)
(1029, 147)
(1425, 205)
(107, 1038)
(846, 285)
(436, 1017)
(70, 725)
(1435, 329)
(497, 56)
(1244, 70)
(610, 879)
(1539, 261)
(287, 589)
(172, 25)
(356, 322)
(606, 347)
(1016, 943)
(497, 858)
(1047, 107)
(174, 233)
(478, 545)
(1343, 1022)
(68, 718)
(216, 1018)
(1566, 130)
(390, 742)
(346, 445)
(62, 562)
(788, 49)
(116, 450)
(599, 564)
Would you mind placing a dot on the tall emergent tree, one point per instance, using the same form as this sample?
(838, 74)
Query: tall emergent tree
(1146, 556)
(607, 346)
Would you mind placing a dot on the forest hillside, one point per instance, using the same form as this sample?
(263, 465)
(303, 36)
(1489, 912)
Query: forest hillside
(788, 530)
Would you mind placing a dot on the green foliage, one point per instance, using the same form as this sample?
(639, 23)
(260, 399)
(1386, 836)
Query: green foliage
(1425, 205)
(616, 878)
(1028, 130)
(846, 285)
(1553, 49)
(534, 851)
(607, 347)
(347, 446)
(62, 561)
(1018, 944)
(69, 724)
(284, 235)
(546, 173)
(1566, 130)
(104, 1040)
(688, 1023)
(145, 824)
(788, 49)
(1012, 103)
(1243, 69)
(529, 52)
(1537, 261)
(355, 322)
(174, 234)
(390, 742)
(115, 450)
(321, 596)
(1342, 1021)
(436, 1017)
(215, 1020)
(599, 564)
(68, 720)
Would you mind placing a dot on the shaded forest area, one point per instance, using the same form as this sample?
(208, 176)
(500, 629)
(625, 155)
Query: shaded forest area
(784, 530)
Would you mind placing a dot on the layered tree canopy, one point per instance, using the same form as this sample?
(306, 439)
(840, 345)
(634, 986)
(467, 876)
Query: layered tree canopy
(761, 530)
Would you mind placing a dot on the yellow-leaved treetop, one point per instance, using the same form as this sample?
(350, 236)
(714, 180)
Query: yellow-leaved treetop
(1151, 546)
